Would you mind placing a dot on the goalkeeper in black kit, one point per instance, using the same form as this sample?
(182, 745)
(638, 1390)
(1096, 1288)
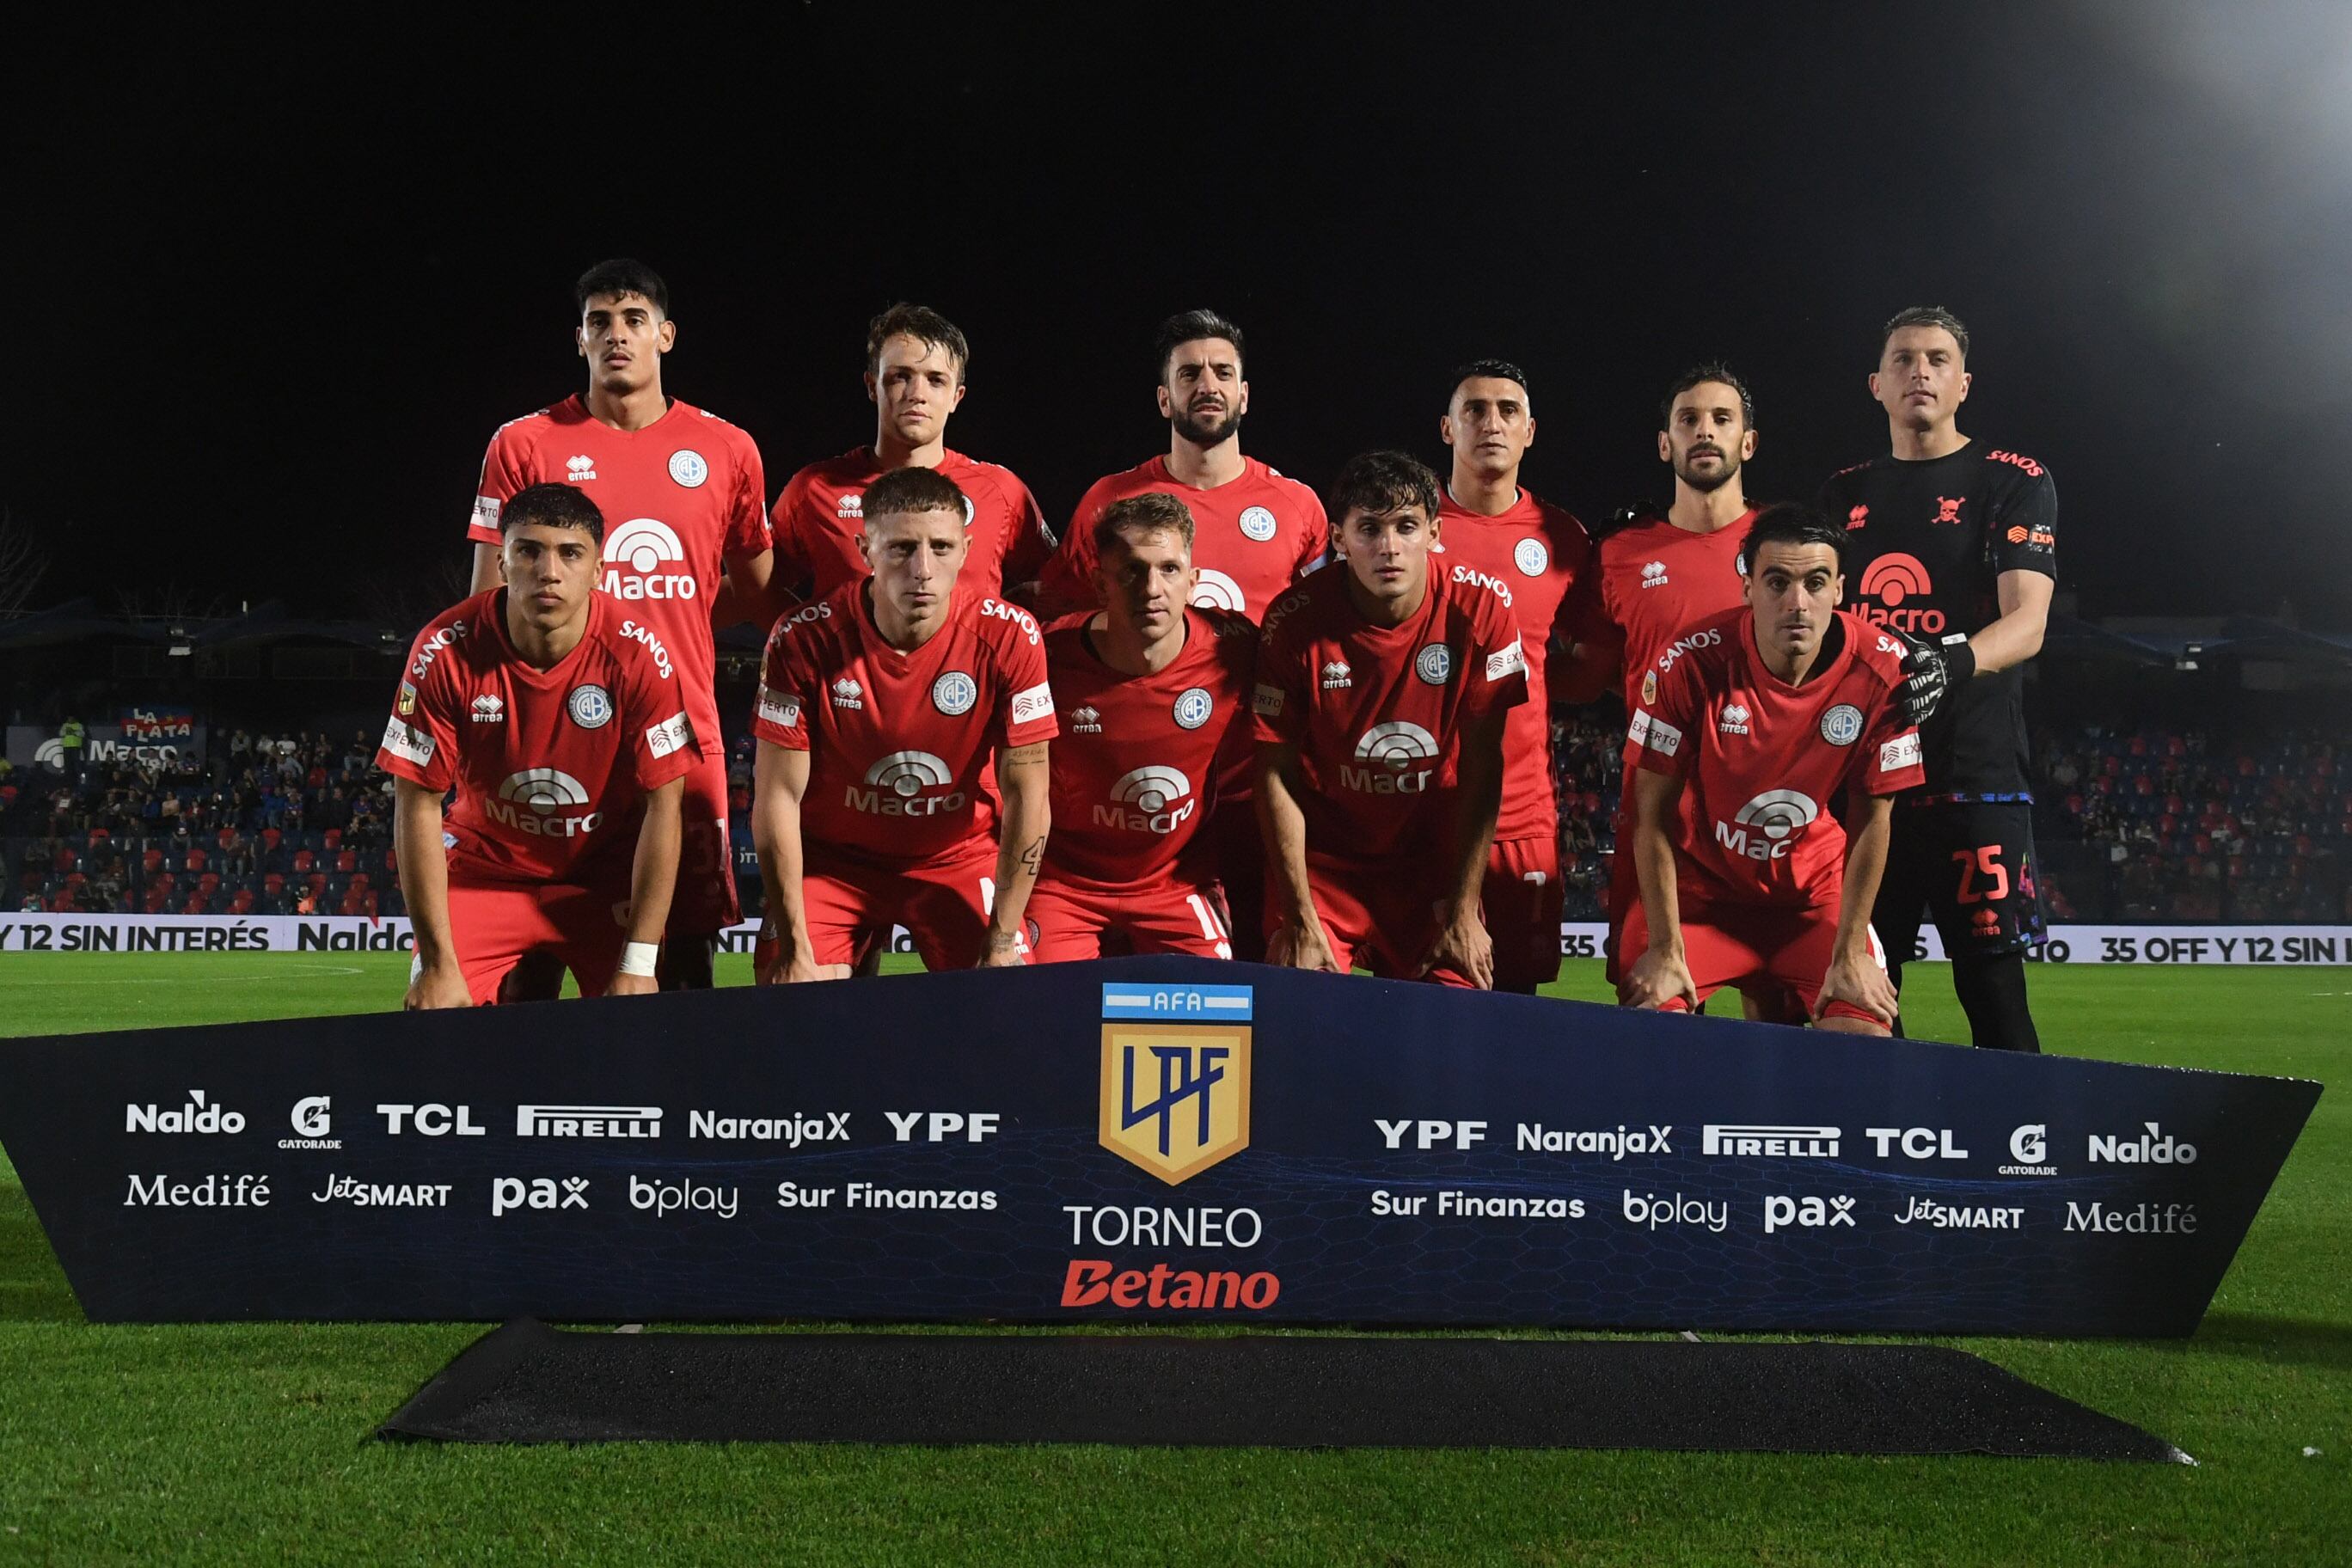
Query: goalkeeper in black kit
(1952, 544)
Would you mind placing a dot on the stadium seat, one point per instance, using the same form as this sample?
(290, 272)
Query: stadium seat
(331, 838)
(347, 860)
(197, 860)
(304, 862)
(195, 905)
(242, 904)
(271, 839)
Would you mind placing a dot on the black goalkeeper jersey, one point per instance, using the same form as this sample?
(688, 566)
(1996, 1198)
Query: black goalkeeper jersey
(1926, 544)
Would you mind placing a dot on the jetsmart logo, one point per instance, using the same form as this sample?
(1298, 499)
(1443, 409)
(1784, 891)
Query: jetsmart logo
(634, 554)
(588, 1120)
(1772, 1142)
(2150, 1148)
(1890, 580)
(895, 787)
(197, 1116)
(1150, 799)
(1392, 751)
(531, 801)
(1777, 817)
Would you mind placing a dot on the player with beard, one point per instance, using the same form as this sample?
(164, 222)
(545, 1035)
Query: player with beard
(1761, 718)
(693, 545)
(1153, 689)
(878, 707)
(1954, 545)
(1381, 693)
(1255, 531)
(565, 734)
(1660, 574)
(1498, 533)
(917, 361)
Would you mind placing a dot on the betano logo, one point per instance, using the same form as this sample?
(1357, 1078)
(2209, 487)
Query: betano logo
(1150, 799)
(1175, 1076)
(641, 546)
(1890, 579)
(897, 782)
(1778, 817)
(546, 791)
(1392, 748)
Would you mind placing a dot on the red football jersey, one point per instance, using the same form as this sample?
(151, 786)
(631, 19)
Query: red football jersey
(1134, 776)
(899, 739)
(819, 520)
(1251, 537)
(678, 497)
(1651, 580)
(1535, 553)
(1766, 761)
(1377, 712)
(551, 766)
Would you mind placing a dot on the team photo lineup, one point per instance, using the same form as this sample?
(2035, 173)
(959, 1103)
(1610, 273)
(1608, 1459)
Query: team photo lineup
(1218, 714)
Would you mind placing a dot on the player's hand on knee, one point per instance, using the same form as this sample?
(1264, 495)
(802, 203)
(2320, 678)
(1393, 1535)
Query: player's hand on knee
(1300, 944)
(1858, 982)
(1003, 950)
(443, 985)
(1658, 977)
(1464, 946)
(632, 986)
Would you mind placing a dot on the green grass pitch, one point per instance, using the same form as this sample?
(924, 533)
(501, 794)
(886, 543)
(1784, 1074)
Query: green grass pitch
(247, 1444)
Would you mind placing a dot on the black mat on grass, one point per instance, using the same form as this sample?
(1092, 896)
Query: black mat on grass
(527, 1384)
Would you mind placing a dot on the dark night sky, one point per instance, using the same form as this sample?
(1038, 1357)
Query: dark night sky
(271, 292)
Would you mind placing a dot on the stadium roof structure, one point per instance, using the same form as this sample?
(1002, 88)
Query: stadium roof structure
(78, 620)
(2178, 641)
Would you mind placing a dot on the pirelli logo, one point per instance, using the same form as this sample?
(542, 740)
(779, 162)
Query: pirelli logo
(1770, 1143)
(588, 1120)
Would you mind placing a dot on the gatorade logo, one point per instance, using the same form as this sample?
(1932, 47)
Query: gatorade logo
(1891, 580)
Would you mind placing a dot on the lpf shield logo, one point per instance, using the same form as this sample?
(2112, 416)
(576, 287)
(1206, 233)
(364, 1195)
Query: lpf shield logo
(1175, 1076)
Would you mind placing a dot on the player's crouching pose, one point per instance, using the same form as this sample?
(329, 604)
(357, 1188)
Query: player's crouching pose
(1153, 694)
(1767, 713)
(1379, 709)
(878, 706)
(557, 717)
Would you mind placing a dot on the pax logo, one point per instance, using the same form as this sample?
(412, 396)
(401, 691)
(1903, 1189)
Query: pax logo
(634, 554)
(1890, 580)
(538, 801)
(1769, 827)
(539, 1193)
(1213, 590)
(580, 470)
(1806, 1211)
(1653, 574)
(895, 786)
(1391, 753)
(1150, 799)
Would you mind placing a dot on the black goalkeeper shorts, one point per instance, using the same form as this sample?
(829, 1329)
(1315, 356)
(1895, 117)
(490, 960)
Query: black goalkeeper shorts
(1969, 865)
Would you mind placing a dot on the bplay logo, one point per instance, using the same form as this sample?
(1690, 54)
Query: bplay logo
(688, 1196)
(1392, 750)
(1805, 1212)
(1149, 799)
(510, 1193)
(312, 1120)
(1652, 1212)
(896, 785)
(634, 554)
(199, 1115)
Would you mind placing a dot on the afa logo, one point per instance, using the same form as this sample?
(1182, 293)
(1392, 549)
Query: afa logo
(1175, 1076)
(1892, 579)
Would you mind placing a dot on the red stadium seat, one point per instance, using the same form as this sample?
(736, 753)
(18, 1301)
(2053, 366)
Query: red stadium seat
(196, 859)
(303, 861)
(62, 861)
(195, 905)
(332, 839)
(208, 884)
(349, 860)
(243, 903)
(152, 861)
(271, 839)
(98, 835)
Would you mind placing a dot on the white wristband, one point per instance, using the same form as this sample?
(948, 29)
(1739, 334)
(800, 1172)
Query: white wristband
(638, 957)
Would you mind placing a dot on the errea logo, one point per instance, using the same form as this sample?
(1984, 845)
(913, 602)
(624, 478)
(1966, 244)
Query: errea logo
(847, 693)
(1087, 720)
(489, 708)
(852, 507)
(1653, 574)
(1391, 751)
(580, 470)
(1734, 719)
(1336, 676)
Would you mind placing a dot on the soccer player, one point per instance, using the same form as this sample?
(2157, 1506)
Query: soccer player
(916, 362)
(1954, 545)
(561, 721)
(1762, 716)
(1153, 690)
(689, 486)
(1379, 709)
(878, 706)
(1497, 532)
(1660, 574)
(1254, 533)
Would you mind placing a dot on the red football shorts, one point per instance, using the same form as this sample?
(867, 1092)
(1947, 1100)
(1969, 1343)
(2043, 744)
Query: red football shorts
(1379, 914)
(1522, 898)
(1238, 855)
(943, 906)
(1067, 918)
(704, 901)
(1779, 955)
(495, 924)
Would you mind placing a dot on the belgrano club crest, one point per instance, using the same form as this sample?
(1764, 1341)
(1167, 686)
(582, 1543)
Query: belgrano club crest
(1175, 1076)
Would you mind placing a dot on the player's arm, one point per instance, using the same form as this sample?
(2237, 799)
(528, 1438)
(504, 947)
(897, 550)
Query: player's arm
(1463, 943)
(779, 777)
(1660, 974)
(748, 592)
(1854, 976)
(1023, 782)
(1298, 938)
(653, 877)
(1591, 648)
(424, 864)
(487, 574)
(2017, 635)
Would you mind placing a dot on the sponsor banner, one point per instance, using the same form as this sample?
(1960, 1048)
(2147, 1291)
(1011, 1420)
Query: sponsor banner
(1148, 1139)
(149, 739)
(2241, 945)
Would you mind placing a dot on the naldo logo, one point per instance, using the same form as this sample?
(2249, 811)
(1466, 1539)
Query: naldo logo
(198, 1115)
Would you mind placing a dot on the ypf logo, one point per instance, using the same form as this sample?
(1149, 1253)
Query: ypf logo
(896, 785)
(1890, 580)
(1150, 799)
(1213, 590)
(1769, 827)
(1392, 752)
(634, 554)
(1175, 1076)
